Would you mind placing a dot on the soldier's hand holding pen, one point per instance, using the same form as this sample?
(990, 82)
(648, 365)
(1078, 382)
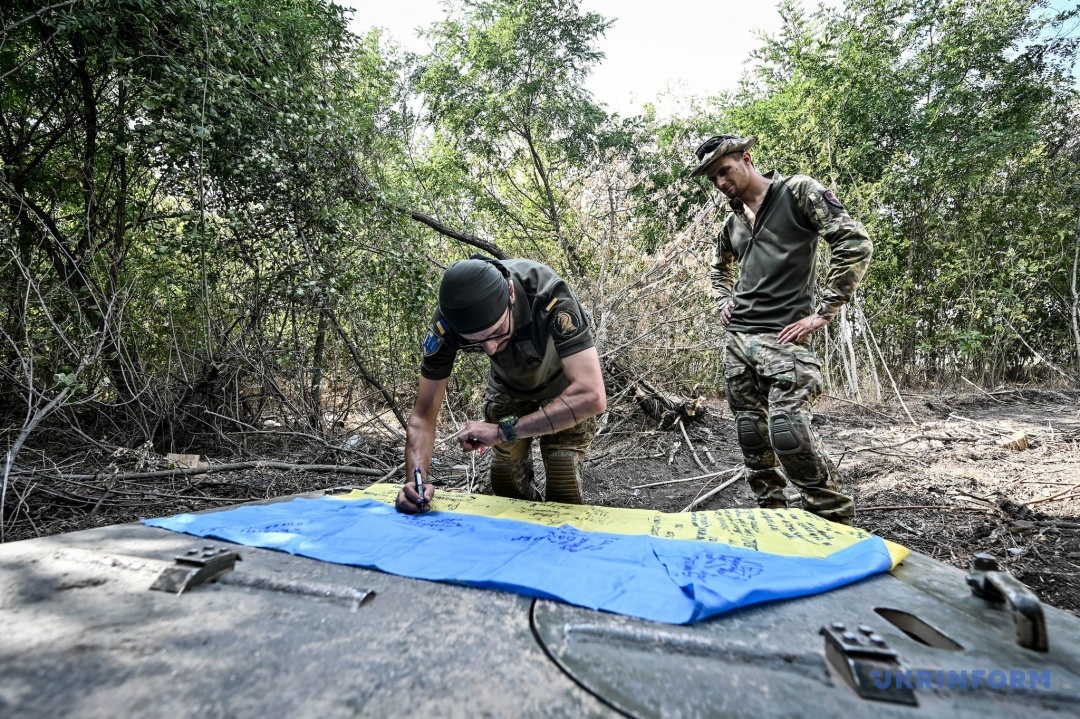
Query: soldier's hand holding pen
(803, 328)
(409, 499)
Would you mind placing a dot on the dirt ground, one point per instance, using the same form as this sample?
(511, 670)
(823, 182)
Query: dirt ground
(942, 481)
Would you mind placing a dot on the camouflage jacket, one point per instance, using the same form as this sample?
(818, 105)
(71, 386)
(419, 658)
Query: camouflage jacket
(777, 256)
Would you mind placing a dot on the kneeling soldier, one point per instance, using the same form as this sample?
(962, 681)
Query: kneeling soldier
(544, 379)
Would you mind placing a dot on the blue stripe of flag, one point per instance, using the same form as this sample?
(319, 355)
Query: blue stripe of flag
(664, 580)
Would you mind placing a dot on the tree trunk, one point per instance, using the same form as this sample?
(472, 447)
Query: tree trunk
(1075, 314)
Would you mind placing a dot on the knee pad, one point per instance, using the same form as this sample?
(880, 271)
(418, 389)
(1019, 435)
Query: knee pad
(562, 468)
(513, 479)
(748, 429)
(789, 434)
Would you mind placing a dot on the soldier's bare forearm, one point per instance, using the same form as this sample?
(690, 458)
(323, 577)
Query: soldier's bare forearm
(584, 397)
(561, 413)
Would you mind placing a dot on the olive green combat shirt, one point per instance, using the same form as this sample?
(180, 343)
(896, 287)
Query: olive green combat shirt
(777, 256)
(549, 324)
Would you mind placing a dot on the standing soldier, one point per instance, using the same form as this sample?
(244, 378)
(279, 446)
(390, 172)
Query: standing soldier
(544, 380)
(771, 375)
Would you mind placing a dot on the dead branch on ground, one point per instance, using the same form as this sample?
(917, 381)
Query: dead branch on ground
(713, 492)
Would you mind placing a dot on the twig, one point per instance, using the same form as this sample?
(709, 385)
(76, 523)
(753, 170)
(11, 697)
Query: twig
(685, 479)
(401, 466)
(234, 420)
(1003, 433)
(697, 460)
(1052, 497)
(34, 416)
(903, 455)
(980, 389)
(1055, 499)
(627, 457)
(888, 372)
(72, 497)
(978, 497)
(914, 531)
(25, 508)
(203, 498)
(260, 464)
(713, 492)
(7, 29)
(101, 499)
(1035, 352)
(947, 507)
(912, 438)
(863, 406)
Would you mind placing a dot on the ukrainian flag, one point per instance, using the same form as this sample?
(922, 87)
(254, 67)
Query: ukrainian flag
(672, 568)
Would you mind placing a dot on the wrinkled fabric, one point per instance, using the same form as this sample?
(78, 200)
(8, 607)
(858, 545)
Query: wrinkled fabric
(665, 580)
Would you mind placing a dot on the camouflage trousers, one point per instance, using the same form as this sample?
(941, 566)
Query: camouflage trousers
(562, 453)
(770, 389)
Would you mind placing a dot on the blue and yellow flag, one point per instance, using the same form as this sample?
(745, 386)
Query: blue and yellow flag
(673, 568)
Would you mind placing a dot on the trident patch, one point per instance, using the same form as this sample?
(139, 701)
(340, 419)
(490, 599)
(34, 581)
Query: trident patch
(432, 343)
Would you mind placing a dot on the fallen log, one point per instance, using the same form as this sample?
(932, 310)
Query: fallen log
(665, 408)
(234, 466)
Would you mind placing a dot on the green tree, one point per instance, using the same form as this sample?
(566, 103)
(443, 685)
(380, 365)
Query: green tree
(182, 182)
(513, 122)
(939, 122)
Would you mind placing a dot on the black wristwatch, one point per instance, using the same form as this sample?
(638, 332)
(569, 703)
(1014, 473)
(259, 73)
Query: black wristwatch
(506, 424)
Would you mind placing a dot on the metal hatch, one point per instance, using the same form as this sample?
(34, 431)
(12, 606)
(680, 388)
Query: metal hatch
(771, 660)
(83, 635)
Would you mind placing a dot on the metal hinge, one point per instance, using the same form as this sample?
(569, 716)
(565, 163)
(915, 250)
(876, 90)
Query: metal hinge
(988, 582)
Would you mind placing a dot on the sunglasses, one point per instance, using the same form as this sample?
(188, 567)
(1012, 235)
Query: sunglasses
(711, 144)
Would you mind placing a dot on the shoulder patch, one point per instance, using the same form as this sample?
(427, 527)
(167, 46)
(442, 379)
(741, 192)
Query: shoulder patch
(565, 324)
(432, 343)
(830, 197)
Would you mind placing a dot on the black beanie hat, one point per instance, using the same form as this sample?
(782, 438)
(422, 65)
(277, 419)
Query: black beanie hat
(473, 295)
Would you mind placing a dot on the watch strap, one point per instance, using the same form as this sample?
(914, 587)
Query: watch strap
(506, 424)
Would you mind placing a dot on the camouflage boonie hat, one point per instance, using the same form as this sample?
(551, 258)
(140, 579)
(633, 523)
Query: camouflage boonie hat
(717, 146)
